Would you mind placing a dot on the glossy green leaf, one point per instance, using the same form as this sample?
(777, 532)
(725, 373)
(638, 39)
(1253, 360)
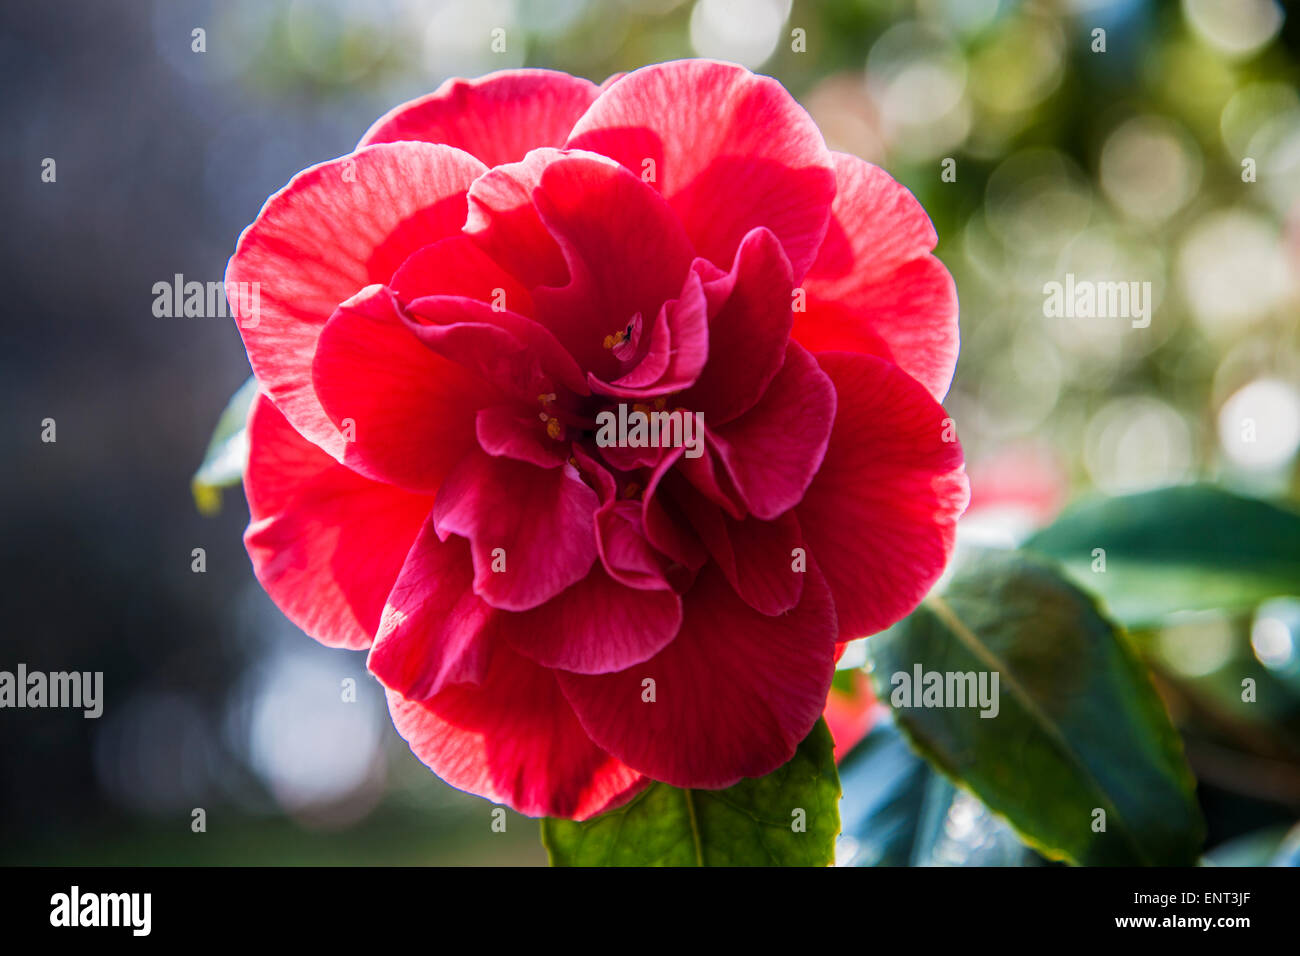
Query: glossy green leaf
(227, 454)
(1078, 726)
(788, 818)
(1191, 547)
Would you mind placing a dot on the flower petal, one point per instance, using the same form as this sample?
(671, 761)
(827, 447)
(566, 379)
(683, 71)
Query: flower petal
(433, 630)
(670, 357)
(498, 117)
(748, 330)
(326, 543)
(734, 693)
(597, 626)
(881, 515)
(504, 222)
(458, 265)
(758, 557)
(728, 149)
(408, 412)
(774, 449)
(624, 248)
(506, 432)
(875, 287)
(334, 229)
(531, 530)
(514, 739)
(507, 350)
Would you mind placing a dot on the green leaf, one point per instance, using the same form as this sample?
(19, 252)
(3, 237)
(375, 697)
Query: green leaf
(1192, 547)
(750, 824)
(227, 454)
(1078, 727)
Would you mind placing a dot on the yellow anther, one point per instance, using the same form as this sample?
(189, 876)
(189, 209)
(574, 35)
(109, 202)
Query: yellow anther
(631, 490)
(555, 429)
(619, 337)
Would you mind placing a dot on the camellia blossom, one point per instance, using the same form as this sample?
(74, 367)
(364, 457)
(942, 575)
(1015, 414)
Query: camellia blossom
(444, 314)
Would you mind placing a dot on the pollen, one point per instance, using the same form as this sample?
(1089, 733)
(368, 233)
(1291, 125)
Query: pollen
(619, 337)
(555, 428)
(631, 490)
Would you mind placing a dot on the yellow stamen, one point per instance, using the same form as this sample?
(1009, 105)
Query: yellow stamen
(555, 429)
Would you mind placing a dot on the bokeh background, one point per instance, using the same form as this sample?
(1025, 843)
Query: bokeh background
(1125, 164)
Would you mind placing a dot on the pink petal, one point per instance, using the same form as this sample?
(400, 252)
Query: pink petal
(594, 627)
(326, 543)
(514, 739)
(758, 557)
(505, 432)
(666, 526)
(627, 554)
(541, 520)
(881, 514)
(730, 151)
(875, 287)
(734, 693)
(504, 222)
(498, 117)
(624, 248)
(433, 630)
(673, 353)
(747, 332)
(458, 266)
(411, 410)
(509, 351)
(774, 449)
(334, 229)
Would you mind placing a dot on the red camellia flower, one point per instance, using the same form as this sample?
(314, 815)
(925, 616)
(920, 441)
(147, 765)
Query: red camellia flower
(452, 314)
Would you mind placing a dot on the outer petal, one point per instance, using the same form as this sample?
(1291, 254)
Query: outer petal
(411, 410)
(498, 117)
(881, 515)
(730, 151)
(734, 694)
(541, 519)
(326, 543)
(433, 629)
(875, 287)
(514, 739)
(333, 230)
